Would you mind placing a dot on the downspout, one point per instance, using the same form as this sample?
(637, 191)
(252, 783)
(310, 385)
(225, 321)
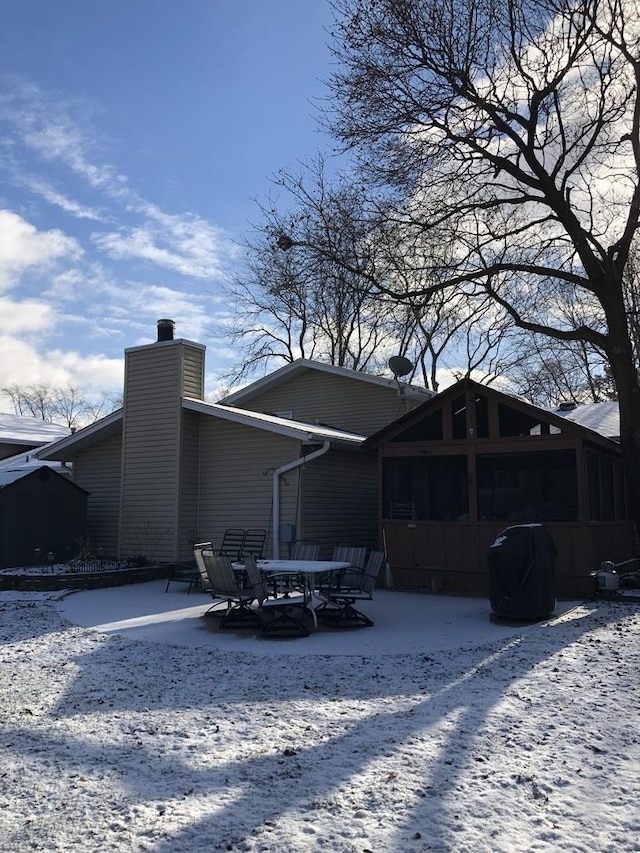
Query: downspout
(276, 491)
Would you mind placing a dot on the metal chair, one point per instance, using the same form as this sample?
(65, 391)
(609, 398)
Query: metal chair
(354, 555)
(254, 540)
(304, 551)
(361, 584)
(225, 589)
(286, 622)
(233, 542)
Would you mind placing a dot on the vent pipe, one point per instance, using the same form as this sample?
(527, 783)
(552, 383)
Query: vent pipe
(165, 330)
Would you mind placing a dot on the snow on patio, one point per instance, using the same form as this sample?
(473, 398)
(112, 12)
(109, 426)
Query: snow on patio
(130, 724)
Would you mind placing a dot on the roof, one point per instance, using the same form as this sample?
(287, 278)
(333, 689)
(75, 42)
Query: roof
(9, 477)
(31, 432)
(112, 424)
(553, 417)
(603, 418)
(284, 374)
(272, 423)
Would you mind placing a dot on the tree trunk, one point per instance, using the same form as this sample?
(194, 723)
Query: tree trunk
(625, 375)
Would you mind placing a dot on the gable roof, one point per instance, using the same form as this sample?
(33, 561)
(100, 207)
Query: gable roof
(300, 365)
(7, 478)
(561, 421)
(27, 431)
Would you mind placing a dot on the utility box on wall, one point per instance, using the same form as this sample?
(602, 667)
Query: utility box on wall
(41, 512)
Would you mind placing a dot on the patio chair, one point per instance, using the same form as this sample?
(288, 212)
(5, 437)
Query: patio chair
(304, 551)
(402, 509)
(286, 621)
(354, 555)
(181, 573)
(254, 540)
(225, 588)
(205, 583)
(339, 612)
(233, 542)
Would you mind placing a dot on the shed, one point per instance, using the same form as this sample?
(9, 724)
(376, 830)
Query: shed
(40, 509)
(468, 463)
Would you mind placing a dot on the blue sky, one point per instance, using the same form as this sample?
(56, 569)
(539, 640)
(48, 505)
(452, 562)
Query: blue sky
(135, 136)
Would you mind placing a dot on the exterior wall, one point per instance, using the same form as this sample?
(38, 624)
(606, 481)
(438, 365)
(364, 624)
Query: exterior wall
(189, 485)
(236, 479)
(340, 501)
(42, 510)
(97, 470)
(349, 404)
(453, 557)
(156, 377)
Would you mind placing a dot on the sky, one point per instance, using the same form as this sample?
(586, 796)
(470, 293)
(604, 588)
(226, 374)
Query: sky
(128, 722)
(135, 139)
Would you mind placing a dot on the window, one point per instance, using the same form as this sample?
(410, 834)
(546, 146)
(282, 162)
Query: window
(435, 487)
(429, 428)
(605, 483)
(528, 487)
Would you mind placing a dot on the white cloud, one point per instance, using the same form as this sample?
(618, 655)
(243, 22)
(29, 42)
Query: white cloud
(23, 247)
(25, 317)
(52, 196)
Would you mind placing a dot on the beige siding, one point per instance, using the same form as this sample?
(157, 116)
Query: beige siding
(236, 477)
(98, 471)
(340, 500)
(193, 373)
(152, 446)
(350, 404)
(189, 485)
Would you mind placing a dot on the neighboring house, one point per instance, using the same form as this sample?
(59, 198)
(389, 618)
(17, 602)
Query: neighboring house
(472, 461)
(19, 434)
(41, 513)
(283, 454)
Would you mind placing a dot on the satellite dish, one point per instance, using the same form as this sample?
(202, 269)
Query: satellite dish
(400, 366)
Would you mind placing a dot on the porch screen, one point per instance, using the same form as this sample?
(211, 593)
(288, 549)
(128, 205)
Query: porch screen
(428, 489)
(605, 478)
(528, 487)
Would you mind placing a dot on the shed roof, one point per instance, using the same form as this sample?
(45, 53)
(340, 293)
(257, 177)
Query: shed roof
(300, 365)
(7, 478)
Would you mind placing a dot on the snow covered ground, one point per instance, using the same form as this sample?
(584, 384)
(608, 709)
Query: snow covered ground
(128, 723)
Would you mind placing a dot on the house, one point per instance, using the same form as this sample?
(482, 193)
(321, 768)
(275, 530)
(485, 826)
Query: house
(471, 461)
(41, 513)
(283, 454)
(19, 434)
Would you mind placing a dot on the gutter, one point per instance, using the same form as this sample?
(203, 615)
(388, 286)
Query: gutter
(296, 463)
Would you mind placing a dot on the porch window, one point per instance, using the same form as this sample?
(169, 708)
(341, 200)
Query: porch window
(528, 487)
(428, 428)
(435, 488)
(605, 481)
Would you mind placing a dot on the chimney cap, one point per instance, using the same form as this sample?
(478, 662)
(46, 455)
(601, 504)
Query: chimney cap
(165, 329)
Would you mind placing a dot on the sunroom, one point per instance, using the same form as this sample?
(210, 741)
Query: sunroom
(473, 461)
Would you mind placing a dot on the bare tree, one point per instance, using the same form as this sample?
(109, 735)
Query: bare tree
(306, 298)
(59, 404)
(511, 131)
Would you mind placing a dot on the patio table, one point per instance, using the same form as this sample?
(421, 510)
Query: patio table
(312, 570)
